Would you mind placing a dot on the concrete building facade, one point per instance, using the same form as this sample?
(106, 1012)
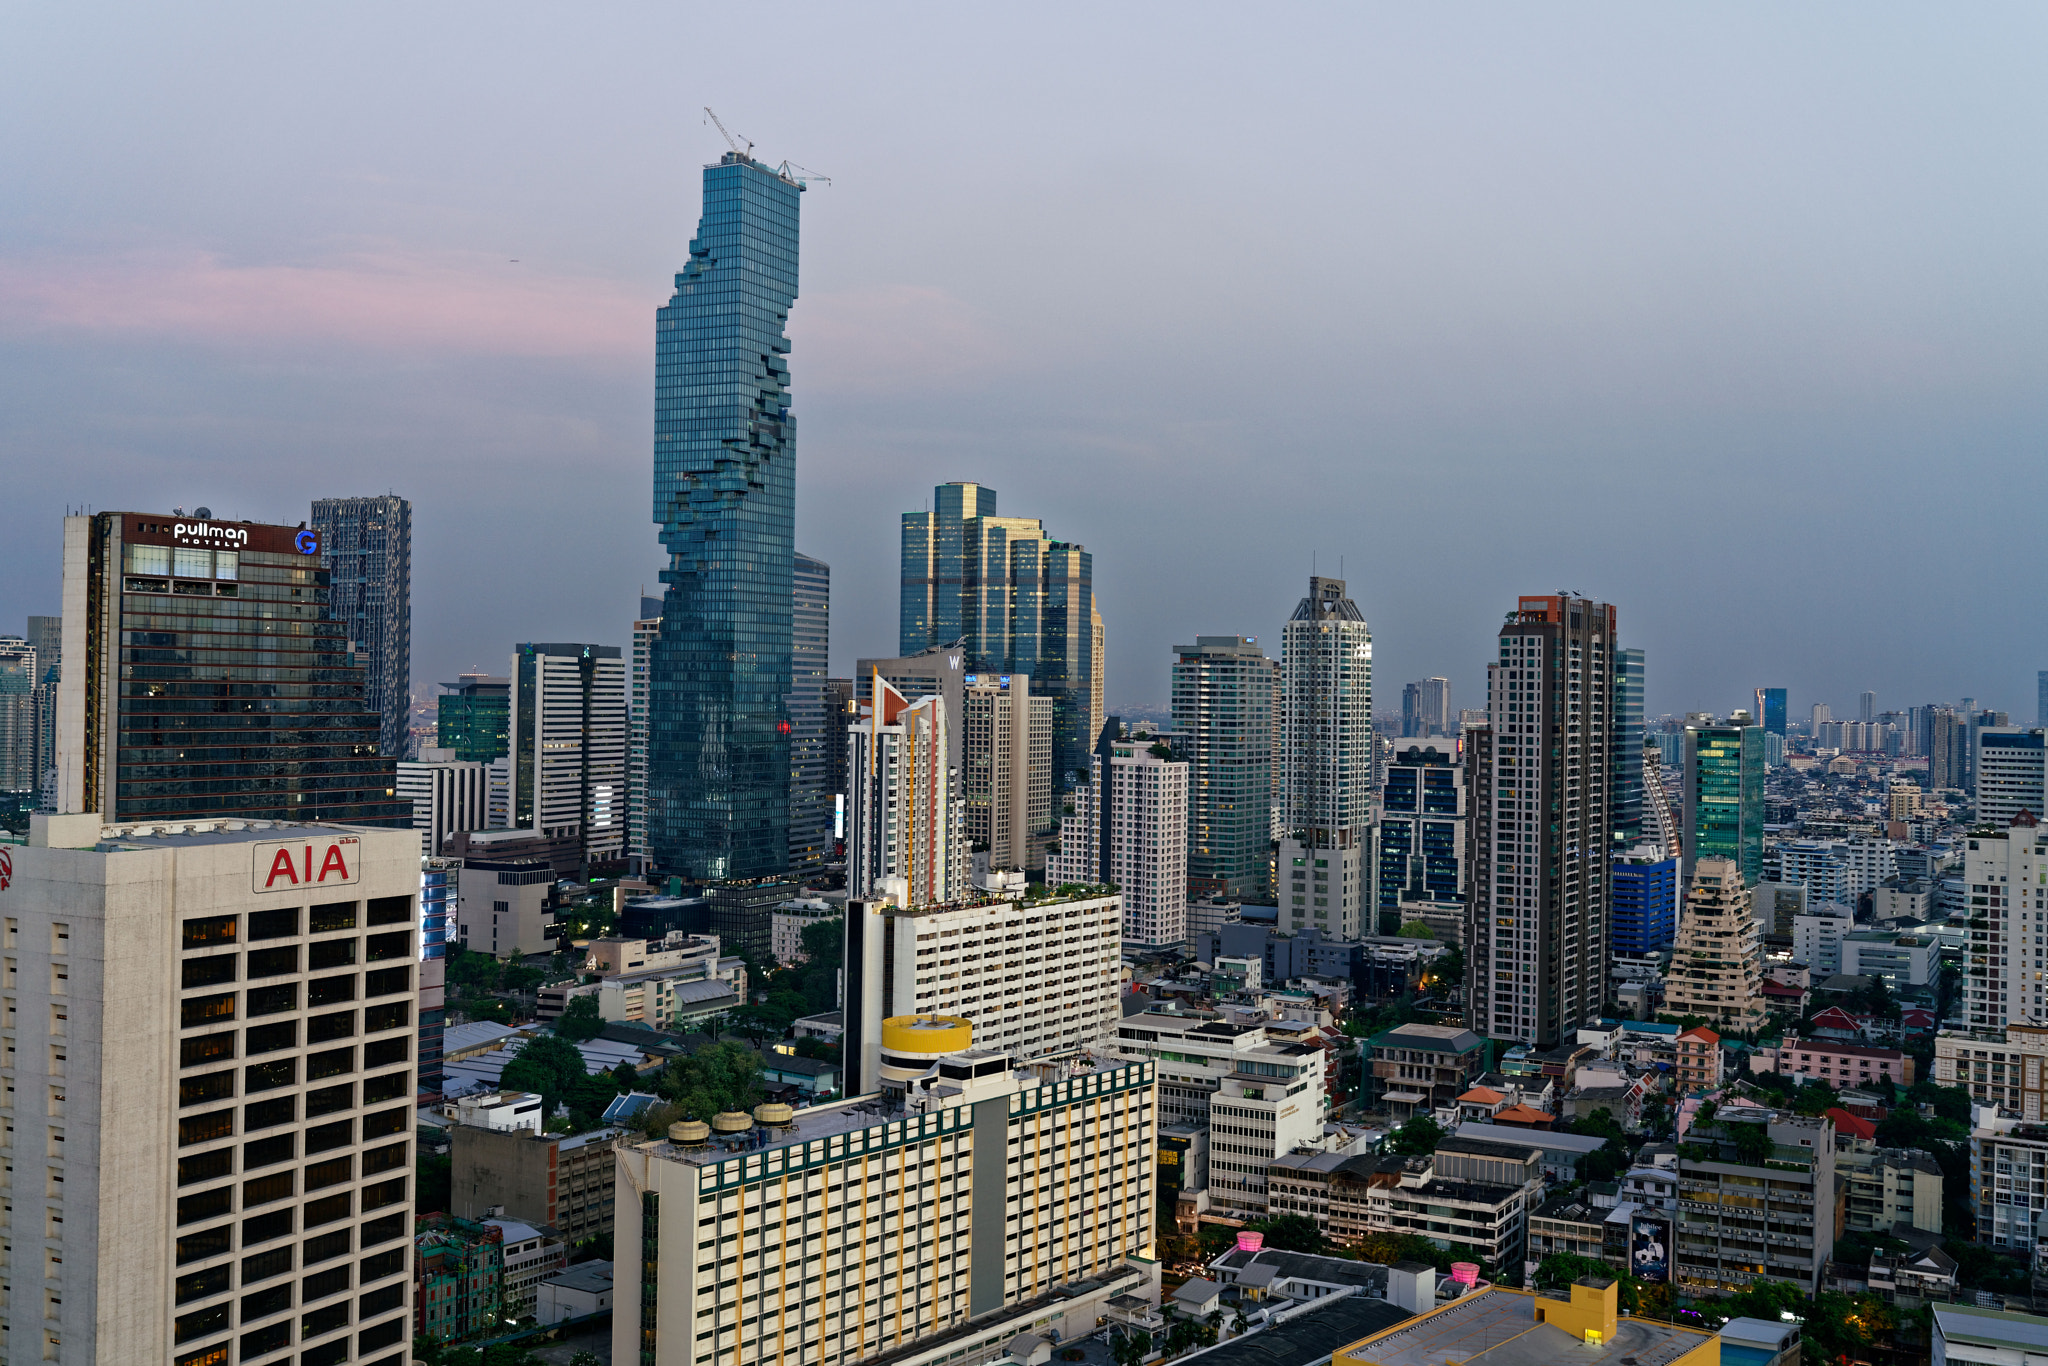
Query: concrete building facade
(1324, 862)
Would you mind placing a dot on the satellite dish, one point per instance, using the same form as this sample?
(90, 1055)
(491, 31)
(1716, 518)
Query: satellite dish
(202, 513)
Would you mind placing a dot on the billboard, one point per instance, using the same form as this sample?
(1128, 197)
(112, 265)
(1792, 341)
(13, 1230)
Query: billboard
(1649, 1247)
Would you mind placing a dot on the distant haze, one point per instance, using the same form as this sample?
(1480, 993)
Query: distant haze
(1733, 315)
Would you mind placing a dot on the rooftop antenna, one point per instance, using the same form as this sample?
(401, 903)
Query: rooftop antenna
(726, 133)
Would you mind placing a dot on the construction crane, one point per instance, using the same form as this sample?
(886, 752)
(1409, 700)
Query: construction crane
(789, 170)
(726, 133)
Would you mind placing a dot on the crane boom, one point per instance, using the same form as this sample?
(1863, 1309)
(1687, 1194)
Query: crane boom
(726, 133)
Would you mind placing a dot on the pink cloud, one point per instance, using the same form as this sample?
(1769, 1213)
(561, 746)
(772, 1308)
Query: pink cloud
(383, 301)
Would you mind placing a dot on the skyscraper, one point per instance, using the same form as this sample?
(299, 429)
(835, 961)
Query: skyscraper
(1324, 872)
(1538, 779)
(725, 498)
(1626, 813)
(208, 679)
(1015, 601)
(473, 718)
(1717, 963)
(1422, 826)
(1127, 825)
(905, 837)
(1770, 709)
(1867, 708)
(1426, 708)
(366, 544)
(2012, 773)
(810, 801)
(46, 634)
(1223, 702)
(568, 728)
(1724, 797)
(1005, 742)
(20, 767)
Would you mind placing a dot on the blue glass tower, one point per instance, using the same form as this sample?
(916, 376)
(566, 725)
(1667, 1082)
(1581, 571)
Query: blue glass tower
(718, 723)
(1770, 710)
(1645, 904)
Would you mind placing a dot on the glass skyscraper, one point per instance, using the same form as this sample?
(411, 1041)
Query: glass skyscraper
(1724, 797)
(1770, 710)
(718, 744)
(1625, 811)
(1015, 600)
(1223, 701)
(366, 544)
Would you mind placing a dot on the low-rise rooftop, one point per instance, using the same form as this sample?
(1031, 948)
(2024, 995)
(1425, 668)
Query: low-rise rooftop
(1499, 1328)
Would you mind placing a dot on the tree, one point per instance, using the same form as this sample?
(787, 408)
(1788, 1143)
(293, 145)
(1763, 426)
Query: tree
(548, 1065)
(583, 1358)
(759, 1022)
(627, 1076)
(433, 1174)
(716, 1078)
(1290, 1233)
(1415, 929)
(1560, 1269)
(1419, 1135)
(581, 1020)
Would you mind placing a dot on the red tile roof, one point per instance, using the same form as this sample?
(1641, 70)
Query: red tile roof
(1851, 1124)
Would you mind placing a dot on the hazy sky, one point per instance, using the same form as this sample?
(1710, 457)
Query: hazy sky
(1736, 316)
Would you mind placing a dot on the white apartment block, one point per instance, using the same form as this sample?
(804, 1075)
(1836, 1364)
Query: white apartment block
(1832, 870)
(1817, 936)
(1259, 1098)
(208, 1032)
(905, 835)
(1035, 976)
(1006, 768)
(788, 922)
(568, 742)
(1326, 661)
(446, 795)
(2008, 1181)
(1148, 842)
(1998, 1067)
(936, 1232)
(2005, 873)
(2010, 773)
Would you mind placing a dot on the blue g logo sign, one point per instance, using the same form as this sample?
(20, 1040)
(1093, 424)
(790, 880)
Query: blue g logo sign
(307, 542)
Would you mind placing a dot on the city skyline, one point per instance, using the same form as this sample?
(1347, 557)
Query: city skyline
(1820, 289)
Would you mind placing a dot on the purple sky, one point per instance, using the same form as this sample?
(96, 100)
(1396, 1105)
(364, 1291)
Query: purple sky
(1734, 316)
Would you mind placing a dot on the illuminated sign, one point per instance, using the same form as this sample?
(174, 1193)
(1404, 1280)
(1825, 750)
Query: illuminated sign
(308, 543)
(288, 865)
(208, 533)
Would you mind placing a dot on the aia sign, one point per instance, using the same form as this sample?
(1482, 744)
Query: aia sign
(287, 865)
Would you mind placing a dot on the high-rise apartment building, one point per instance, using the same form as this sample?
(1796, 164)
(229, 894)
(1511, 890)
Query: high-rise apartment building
(1038, 1210)
(905, 836)
(719, 728)
(810, 800)
(2012, 772)
(1119, 828)
(20, 763)
(1323, 864)
(839, 712)
(1422, 826)
(1223, 702)
(1013, 600)
(1538, 779)
(568, 735)
(1717, 963)
(366, 544)
(1724, 796)
(1098, 656)
(1426, 708)
(1626, 804)
(1822, 714)
(211, 1035)
(2006, 874)
(1948, 750)
(1770, 710)
(1866, 708)
(473, 718)
(208, 680)
(1005, 741)
(1034, 977)
(447, 796)
(646, 630)
(938, 672)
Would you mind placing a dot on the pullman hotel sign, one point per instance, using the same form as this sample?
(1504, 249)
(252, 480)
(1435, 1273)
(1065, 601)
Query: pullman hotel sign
(291, 865)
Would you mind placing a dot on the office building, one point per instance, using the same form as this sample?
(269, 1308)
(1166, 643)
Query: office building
(1005, 741)
(1035, 977)
(1770, 710)
(440, 899)
(46, 636)
(810, 800)
(1426, 709)
(1040, 1198)
(1947, 749)
(1724, 796)
(905, 828)
(1817, 935)
(1120, 828)
(473, 718)
(568, 735)
(499, 1158)
(1223, 701)
(1645, 901)
(1721, 1247)
(163, 618)
(839, 712)
(446, 796)
(2004, 871)
(1538, 779)
(212, 1037)
(2012, 773)
(1625, 806)
(646, 630)
(718, 738)
(1717, 964)
(1260, 1097)
(1325, 873)
(20, 762)
(1422, 827)
(366, 545)
(1013, 600)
